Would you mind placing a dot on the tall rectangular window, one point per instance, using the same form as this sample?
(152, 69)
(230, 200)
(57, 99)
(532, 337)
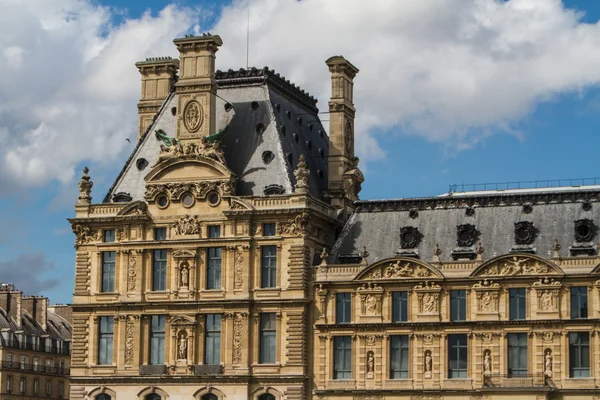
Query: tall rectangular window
(579, 354)
(157, 339)
(268, 267)
(268, 338)
(105, 340)
(22, 385)
(214, 231)
(399, 357)
(342, 357)
(48, 387)
(399, 306)
(9, 381)
(61, 389)
(458, 305)
(579, 303)
(268, 229)
(36, 386)
(213, 272)
(109, 236)
(212, 343)
(517, 304)
(109, 259)
(159, 270)
(457, 356)
(517, 354)
(343, 308)
(160, 233)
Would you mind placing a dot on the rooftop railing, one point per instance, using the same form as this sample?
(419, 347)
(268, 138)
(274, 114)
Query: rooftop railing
(541, 184)
(43, 369)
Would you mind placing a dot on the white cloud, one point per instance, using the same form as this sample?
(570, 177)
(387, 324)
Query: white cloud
(451, 71)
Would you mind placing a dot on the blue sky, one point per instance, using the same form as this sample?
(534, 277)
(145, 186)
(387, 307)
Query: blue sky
(405, 152)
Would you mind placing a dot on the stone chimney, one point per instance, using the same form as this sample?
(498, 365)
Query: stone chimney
(37, 307)
(345, 178)
(10, 302)
(196, 87)
(62, 310)
(158, 77)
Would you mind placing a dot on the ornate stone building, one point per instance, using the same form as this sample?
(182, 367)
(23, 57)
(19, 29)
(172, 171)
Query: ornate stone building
(232, 259)
(35, 345)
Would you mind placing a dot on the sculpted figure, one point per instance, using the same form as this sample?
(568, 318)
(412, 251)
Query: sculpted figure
(428, 303)
(486, 302)
(184, 276)
(546, 301)
(487, 363)
(548, 363)
(182, 347)
(370, 362)
(428, 361)
(371, 303)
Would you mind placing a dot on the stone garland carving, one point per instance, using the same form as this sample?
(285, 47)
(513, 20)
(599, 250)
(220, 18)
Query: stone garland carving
(516, 266)
(198, 189)
(301, 173)
(131, 271)
(427, 337)
(84, 235)
(129, 341)
(187, 225)
(237, 340)
(238, 273)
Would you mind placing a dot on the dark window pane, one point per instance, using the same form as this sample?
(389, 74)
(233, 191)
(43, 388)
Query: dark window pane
(399, 306)
(457, 356)
(212, 345)
(518, 304)
(458, 305)
(159, 270)
(268, 269)
(579, 354)
(213, 278)
(108, 271)
(342, 357)
(109, 236)
(214, 231)
(579, 306)
(343, 312)
(157, 339)
(268, 229)
(268, 337)
(517, 354)
(160, 233)
(105, 340)
(399, 357)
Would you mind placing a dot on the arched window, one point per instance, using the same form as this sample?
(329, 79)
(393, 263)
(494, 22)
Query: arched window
(266, 396)
(103, 397)
(210, 396)
(152, 396)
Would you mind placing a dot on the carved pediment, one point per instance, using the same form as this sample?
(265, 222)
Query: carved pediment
(183, 320)
(239, 205)
(135, 208)
(399, 268)
(517, 265)
(181, 169)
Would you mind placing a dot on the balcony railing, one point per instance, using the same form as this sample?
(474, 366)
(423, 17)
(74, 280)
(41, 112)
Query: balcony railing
(15, 344)
(42, 369)
(514, 381)
(153, 369)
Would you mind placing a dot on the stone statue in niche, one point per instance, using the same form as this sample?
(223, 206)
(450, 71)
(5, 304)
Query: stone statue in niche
(428, 364)
(182, 347)
(546, 301)
(370, 363)
(185, 274)
(486, 302)
(548, 363)
(371, 304)
(487, 363)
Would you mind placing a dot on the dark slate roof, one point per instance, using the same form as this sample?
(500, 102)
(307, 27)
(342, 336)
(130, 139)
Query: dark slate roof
(57, 327)
(270, 115)
(376, 225)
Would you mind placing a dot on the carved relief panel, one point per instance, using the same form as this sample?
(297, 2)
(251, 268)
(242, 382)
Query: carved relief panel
(428, 301)
(371, 296)
(487, 297)
(547, 296)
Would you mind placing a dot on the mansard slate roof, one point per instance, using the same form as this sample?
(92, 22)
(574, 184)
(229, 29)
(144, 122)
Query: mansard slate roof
(57, 327)
(270, 115)
(377, 225)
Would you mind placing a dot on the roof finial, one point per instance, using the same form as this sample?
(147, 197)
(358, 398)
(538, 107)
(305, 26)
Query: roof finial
(364, 255)
(85, 188)
(555, 249)
(324, 255)
(301, 173)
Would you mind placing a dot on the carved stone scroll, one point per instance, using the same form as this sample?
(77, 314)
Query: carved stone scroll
(129, 340)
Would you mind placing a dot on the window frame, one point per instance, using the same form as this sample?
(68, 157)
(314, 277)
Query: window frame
(214, 231)
(106, 327)
(577, 293)
(519, 349)
(159, 270)
(158, 330)
(214, 268)
(212, 332)
(342, 354)
(399, 353)
(160, 233)
(268, 267)
(579, 350)
(271, 230)
(108, 271)
(108, 236)
(400, 306)
(267, 351)
(458, 298)
(458, 373)
(343, 308)
(514, 294)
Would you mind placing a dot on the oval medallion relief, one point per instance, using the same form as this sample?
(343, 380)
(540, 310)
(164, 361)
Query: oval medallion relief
(193, 116)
